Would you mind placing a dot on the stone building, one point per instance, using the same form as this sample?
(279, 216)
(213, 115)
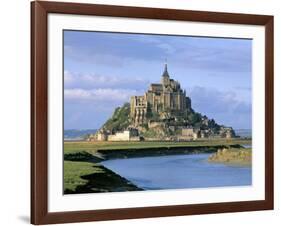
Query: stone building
(164, 97)
(227, 132)
(119, 136)
(130, 134)
(193, 133)
(189, 133)
(102, 135)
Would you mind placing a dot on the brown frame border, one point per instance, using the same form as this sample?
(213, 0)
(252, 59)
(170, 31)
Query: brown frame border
(39, 109)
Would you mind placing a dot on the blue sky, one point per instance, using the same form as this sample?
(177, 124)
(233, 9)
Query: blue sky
(102, 70)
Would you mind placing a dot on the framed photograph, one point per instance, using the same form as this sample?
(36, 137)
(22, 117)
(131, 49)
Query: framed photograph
(149, 112)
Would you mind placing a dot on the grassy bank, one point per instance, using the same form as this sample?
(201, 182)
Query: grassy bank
(85, 177)
(93, 147)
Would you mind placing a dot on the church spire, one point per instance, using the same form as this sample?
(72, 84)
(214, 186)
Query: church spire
(165, 73)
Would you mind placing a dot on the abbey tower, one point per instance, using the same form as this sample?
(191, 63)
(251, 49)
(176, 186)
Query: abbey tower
(166, 97)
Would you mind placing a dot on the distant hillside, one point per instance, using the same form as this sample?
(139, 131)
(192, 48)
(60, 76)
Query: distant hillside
(75, 134)
(247, 133)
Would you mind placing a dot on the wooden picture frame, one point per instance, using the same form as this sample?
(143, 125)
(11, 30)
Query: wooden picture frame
(39, 112)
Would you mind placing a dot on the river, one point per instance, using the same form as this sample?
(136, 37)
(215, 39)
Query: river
(179, 171)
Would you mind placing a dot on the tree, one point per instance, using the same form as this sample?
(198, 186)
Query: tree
(194, 118)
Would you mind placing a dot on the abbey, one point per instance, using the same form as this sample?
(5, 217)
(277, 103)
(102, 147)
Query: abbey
(164, 112)
(166, 97)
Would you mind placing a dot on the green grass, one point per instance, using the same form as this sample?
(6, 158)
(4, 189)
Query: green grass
(74, 170)
(92, 147)
(85, 177)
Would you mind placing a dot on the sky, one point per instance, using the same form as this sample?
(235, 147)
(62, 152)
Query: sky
(102, 70)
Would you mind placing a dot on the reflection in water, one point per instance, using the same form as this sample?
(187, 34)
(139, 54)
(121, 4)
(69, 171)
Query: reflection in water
(179, 171)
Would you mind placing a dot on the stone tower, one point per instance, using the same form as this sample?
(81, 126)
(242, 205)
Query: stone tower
(165, 76)
(160, 98)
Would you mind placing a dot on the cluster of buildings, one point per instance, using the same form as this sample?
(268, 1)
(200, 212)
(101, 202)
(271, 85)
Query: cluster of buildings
(130, 134)
(193, 133)
(168, 101)
(187, 134)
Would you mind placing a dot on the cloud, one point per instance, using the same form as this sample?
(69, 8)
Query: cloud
(91, 108)
(159, 42)
(211, 54)
(243, 88)
(68, 77)
(116, 50)
(92, 115)
(225, 107)
(101, 95)
(90, 81)
(219, 59)
(93, 56)
(98, 58)
(68, 49)
(218, 101)
(120, 50)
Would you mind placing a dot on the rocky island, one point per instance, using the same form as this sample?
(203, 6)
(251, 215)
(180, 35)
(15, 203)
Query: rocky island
(164, 112)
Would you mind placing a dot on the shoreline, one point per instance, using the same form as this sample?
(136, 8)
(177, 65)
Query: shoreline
(109, 181)
(155, 151)
(104, 181)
